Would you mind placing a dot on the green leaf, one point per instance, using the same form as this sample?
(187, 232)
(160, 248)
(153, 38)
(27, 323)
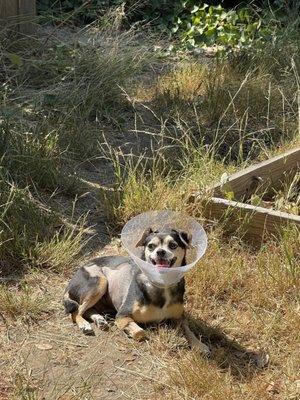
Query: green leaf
(210, 31)
(229, 195)
(255, 200)
(191, 42)
(200, 30)
(204, 7)
(15, 59)
(50, 99)
(8, 112)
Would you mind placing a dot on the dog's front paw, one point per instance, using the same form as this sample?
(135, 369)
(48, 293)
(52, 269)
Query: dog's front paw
(135, 331)
(87, 329)
(139, 335)
(100, 322)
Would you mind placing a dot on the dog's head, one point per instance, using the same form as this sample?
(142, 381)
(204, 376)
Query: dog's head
(165, 249)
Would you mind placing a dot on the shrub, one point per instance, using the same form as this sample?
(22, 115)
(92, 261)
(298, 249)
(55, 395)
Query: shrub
(241, 28)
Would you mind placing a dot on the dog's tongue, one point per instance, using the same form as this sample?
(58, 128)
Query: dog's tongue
(163, 263)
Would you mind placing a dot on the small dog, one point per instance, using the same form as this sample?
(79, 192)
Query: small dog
(116, 284)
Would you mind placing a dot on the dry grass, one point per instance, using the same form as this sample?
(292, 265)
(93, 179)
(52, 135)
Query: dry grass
(25, 302)
(238, 112)
(209, 119)
(288, 198)
(154, 183)
(242, 302)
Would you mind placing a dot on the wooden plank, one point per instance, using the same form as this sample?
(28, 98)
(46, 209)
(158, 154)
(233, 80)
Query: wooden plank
(268, 173)
(27, 12)
(255, 221)
(9, 10)
(18, 14)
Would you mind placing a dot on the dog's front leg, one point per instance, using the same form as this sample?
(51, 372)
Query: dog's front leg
(127, 324)
(193, 341)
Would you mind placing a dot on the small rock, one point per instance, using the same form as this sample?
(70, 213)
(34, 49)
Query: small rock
(44, 346)
(275, 387)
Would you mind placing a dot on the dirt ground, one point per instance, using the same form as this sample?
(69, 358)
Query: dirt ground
(52, 359)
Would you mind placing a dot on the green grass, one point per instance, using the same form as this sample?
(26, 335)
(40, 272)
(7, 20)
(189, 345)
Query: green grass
(22, 222)
(63, 250)
(239, 113)
(159, 182)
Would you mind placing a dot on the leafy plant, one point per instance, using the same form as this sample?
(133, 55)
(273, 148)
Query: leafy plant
(214, 25)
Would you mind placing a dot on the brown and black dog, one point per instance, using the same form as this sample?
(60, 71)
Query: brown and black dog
(116, 284)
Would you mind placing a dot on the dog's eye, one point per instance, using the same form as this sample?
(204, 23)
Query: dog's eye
(151, 246)
(173, 245)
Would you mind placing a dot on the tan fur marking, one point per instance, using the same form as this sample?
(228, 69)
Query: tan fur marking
(73, 316)
(135, 331)
(103, 285)
(122, 322)
(89, 301)
(151, 313)
(78, 319)
(128, 325)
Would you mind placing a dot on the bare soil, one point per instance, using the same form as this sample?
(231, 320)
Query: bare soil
(53, 359)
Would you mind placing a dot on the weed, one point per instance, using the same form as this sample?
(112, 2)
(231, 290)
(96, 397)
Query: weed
(29, 233)
(237, 113)
(160, 181)
(24, 302)
(63, 250)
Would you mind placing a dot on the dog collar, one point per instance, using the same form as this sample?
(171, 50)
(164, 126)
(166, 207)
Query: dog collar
(159, 220)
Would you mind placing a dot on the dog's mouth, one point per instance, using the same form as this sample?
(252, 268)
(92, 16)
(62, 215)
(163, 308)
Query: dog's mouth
(163, 263)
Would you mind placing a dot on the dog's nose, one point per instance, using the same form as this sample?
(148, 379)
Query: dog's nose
(161, 253)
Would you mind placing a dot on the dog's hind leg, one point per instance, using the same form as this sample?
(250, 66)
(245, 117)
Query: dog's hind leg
(88, 299)
(98, 319)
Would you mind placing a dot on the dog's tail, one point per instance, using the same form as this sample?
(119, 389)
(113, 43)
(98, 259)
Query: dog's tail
(70, 305)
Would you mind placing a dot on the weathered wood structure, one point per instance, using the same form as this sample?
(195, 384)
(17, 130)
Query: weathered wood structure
(18, 15)
(257, 220)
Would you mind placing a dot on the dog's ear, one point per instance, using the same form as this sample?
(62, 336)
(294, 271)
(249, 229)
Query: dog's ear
(185, 238)
(146, 233)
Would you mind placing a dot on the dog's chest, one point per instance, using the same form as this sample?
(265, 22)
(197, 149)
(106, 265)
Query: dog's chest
(159, 305)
